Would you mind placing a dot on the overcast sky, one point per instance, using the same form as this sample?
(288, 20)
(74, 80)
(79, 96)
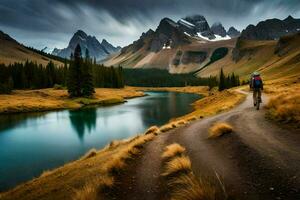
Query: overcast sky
(52, 23)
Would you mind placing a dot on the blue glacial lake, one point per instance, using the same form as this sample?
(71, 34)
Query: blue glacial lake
(33, 143)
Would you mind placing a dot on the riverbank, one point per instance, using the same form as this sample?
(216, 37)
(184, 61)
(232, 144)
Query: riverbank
(103, 165)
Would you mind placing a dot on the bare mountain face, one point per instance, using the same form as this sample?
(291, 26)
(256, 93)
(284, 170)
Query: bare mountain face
(218, 29)
(233, 32)
(271, 29)
(96, 49)
(109, 47)
(196, 25)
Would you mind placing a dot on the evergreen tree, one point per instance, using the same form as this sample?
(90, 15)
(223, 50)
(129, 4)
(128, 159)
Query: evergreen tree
(222, 82)
(6, 82)
(87, 79)
(75, 74)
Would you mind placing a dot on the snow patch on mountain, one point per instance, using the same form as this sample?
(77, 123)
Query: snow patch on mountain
(217, 37)
(186, 22)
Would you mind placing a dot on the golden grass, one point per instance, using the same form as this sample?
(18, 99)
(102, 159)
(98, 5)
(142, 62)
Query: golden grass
(153, 129)
(192, 118)
(172, 151)
(177, 166)
(214, 103)
(51, 99)
(187, 187)
(284, 103)
(285, 108)
(219, 129)
(166, 127)
(180, 123)
(93, 188)
(181, 182)
(91, 153)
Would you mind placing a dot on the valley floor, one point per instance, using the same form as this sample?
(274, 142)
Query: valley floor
(259, 160)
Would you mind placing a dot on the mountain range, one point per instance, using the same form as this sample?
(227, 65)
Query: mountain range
(181, 46)
(96, 49)
(271, 29)
(188, 45)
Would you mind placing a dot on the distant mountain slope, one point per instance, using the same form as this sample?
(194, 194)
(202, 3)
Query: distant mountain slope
(274, 58)
(96, 49)
(271, 29)
(218, 29)
(11, 51)
(233, 32)
(182, 46)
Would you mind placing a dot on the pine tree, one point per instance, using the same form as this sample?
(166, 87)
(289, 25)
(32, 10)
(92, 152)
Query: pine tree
(87, 79)
(222, 82)
(75, 74)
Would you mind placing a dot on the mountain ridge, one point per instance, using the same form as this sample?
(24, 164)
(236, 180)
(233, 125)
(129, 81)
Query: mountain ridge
(97, 50)
(271, 29)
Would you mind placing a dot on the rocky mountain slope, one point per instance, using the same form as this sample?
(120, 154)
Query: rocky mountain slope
(218, 29)
(12, 51)
(271, 29)
(273, 58)
(96, 49)
(181, 46)
(233, 32)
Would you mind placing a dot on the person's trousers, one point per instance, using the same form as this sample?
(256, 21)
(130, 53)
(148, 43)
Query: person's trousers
(255, 93)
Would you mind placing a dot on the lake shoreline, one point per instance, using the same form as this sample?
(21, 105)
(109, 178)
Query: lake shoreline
(101, 161)
(43, 100)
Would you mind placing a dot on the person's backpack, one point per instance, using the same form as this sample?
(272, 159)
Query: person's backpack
(257, 82)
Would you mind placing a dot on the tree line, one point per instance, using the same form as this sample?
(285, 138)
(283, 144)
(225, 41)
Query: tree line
(229, 81)
(77, 73)
(162, 78)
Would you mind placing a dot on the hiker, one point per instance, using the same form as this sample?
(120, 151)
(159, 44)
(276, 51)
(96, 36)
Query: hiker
(256, 84)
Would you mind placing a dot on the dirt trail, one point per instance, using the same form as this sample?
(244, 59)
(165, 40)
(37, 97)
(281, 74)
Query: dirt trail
(260, 160)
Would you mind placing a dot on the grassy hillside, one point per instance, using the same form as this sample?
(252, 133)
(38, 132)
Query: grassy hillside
(11, 51)
(274, 59)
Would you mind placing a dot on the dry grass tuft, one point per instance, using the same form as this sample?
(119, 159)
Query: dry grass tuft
(152, 129)
(177, 166)
(219, 129)
(186, 187)
(45, 173)
(172, 151)
(91, 153)
(134, 148)
(93, 189)
(180, 179)
(166, 128)
(192, 118)
(181, 123)
(285, 108)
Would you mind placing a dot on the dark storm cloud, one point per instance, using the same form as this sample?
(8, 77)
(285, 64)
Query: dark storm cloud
(52, 22)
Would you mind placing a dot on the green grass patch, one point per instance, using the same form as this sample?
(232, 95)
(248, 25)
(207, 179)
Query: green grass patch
(218, 54)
